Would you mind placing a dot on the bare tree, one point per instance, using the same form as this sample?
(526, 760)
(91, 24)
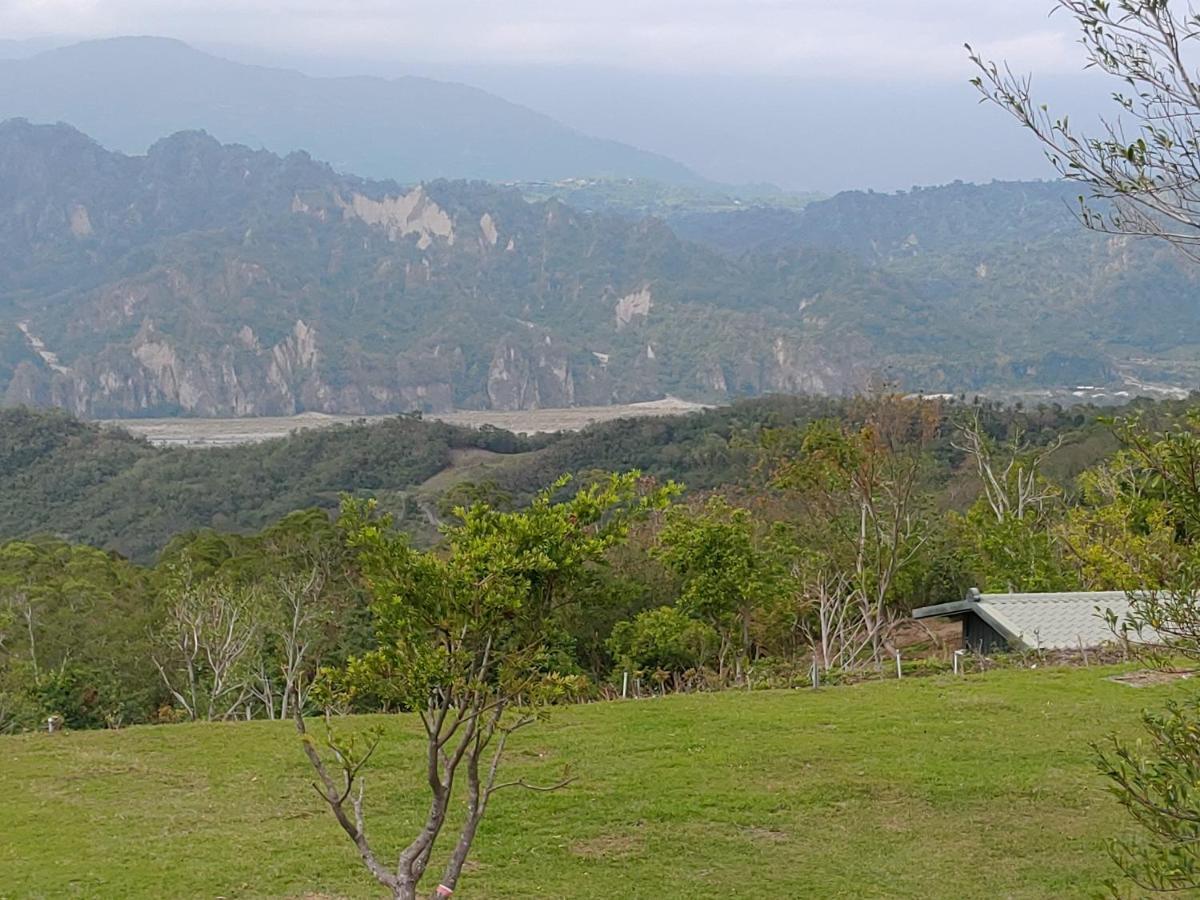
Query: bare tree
(1143, 164)
(832, 630)
(205, 646)
(843, 625)
(291, 633)
(862, 523)
(1009, 474)
(17, 604)
(23, 604)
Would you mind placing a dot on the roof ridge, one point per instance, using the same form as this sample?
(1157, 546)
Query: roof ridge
(1049, 595)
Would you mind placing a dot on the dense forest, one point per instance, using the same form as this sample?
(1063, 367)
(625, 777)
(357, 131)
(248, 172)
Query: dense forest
(117, 551)
(101, 486)
(104, 487)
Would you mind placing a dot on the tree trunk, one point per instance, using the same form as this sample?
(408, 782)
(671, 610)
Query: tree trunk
(467, 835)
(33, 657)
(745, 616)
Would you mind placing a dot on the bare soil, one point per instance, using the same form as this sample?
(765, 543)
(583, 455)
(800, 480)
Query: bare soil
(609, 846)
(1148, 677)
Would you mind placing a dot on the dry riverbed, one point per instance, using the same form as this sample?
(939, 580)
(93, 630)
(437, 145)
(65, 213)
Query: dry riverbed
(225, 432)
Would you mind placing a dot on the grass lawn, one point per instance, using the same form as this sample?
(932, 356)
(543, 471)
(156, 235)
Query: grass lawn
(936, 787)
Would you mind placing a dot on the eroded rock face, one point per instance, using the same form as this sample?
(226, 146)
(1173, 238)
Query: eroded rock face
(154, 375)
(81, 223)
(487, 226)
(633, 306)
(527, 370)
(411, 213)
(519, 379)
(797, 370)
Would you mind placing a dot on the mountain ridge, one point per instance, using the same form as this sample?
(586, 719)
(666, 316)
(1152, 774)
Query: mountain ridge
(210, 279)
(127, 92)
(214, 280)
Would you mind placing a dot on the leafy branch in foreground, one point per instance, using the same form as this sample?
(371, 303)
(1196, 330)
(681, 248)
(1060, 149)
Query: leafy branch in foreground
(1159, 785)
(1145, 162)
(1158, 780)
(464, 641)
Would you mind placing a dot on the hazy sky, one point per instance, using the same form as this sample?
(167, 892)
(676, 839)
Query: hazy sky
(820, 94)
(916, 38)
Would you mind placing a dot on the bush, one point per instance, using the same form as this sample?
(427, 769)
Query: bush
(663, 639)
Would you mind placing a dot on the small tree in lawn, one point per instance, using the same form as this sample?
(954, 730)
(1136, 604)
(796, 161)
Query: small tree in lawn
(463, 641)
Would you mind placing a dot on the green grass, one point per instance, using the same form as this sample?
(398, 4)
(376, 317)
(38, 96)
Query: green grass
(470, 464)
(937, 787)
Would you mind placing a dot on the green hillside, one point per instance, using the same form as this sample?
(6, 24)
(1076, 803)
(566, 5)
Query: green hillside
(103, 487)
(880, 789)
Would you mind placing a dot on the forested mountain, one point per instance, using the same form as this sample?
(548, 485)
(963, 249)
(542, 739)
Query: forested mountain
(994, 287)
(101, 486)
(954, 218)
(104, 487)
(212, 279)
(129, 92)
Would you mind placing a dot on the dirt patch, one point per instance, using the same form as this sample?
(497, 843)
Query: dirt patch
(927, 638)
(609, 846)
(761, 835)
(1150, 677)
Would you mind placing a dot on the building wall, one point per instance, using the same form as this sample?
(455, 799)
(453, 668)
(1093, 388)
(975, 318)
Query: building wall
(980, 637)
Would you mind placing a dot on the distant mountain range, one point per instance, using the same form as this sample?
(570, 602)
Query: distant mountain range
(217, 280)
(212, 279)
(129, 92)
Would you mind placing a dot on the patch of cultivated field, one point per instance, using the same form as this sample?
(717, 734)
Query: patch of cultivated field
(938, 787)
(221, 432)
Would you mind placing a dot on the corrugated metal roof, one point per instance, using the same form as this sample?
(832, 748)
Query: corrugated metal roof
(1061, 621)
(1050, 621)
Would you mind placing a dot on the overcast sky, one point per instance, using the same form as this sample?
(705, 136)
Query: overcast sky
(735, 88)
(916, 38)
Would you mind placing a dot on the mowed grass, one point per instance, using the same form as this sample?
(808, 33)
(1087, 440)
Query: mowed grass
(939, 787)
